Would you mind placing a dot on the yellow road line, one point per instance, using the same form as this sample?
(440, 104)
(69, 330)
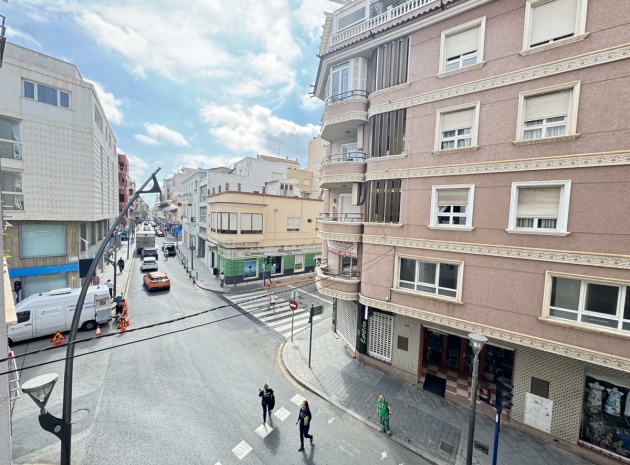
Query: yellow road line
(284, 371)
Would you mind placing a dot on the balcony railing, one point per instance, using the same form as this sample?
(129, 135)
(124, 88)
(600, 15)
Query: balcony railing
(348, 273)
(344, 217)
(390, 13)
(347, 96)
(343, 157)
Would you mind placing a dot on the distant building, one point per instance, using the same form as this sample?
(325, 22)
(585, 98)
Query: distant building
(123, 187)
(476, 181)
(59, 169)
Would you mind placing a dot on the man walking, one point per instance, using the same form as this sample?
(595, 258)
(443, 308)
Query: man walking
(121, 264)
(110, 286)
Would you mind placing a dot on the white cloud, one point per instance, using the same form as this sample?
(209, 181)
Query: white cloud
(206, 161)
(158, 134)
(16, 35)
(111, 105)
(310, 103)
(137, 169)
(256, 129)
(310, 16)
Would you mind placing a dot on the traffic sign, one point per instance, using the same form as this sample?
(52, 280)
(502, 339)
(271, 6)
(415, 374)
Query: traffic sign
(192, 247)
(293, 305)
(58, 338)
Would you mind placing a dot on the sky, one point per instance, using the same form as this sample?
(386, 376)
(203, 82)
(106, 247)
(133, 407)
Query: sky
(199, 83)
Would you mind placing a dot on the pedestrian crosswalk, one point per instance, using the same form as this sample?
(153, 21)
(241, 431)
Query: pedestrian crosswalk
(257, 304)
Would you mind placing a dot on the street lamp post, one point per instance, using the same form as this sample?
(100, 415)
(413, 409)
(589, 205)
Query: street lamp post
(476, 342)
(62, 428)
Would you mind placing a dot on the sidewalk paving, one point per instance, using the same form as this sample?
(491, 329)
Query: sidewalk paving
(430, 426)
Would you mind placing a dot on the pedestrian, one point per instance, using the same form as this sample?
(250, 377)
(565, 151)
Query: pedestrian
(304, 419)
(222, 278)
(272, 303)
(110, 286)
(120, 309)
(268, 401)
(384, 411)
(121, 264)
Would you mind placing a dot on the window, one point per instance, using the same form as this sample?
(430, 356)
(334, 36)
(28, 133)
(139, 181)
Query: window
(293, 224)
(457, 127)
(392, 64)
(298, 263)
(384, 204)
(451, 207)
(347, 80)
(203, 214)
(227, 223)
(98, 118)
(213, 222)
(12, 196)
(42, 240)
(553, 22)
(46, 94)
(429, 277)
(251, 223)
(540, 207)
(10, 142)
(548, 114)
(388, 133)
(348, 266)
(599, 303)
(24, 316)
(462, 46)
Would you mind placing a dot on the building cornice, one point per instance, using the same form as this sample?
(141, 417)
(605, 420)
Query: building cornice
(351, 296)
(564, 350)
(586, 60)
(546, 255)
(504, 166)
(341, 178)
(339, 237)
(343, 117)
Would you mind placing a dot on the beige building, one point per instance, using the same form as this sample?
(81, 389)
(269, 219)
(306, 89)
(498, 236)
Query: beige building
(475, 151)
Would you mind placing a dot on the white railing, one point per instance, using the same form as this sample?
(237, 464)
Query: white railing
(391, 14)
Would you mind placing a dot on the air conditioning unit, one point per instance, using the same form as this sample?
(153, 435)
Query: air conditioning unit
(356, 193)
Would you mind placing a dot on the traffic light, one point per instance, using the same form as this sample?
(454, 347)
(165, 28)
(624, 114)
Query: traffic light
(484, 393)
(504, 394)
(311, 314)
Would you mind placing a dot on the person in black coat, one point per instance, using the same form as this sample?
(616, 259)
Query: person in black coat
(268, 401)
(304, 419)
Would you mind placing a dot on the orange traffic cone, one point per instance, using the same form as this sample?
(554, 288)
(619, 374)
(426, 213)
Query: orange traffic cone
(98, 331)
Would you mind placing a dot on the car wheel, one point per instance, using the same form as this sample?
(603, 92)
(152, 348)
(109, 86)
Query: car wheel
(89, 326)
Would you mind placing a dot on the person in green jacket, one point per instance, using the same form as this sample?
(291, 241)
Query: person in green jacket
(384, 411)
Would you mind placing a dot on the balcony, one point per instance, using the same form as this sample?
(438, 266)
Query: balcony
(343, 114)
(341, 223)
(340, 169)
(357, 20)
(343, 284)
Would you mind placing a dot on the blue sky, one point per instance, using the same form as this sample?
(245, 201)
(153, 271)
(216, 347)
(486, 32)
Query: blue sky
(200, 83)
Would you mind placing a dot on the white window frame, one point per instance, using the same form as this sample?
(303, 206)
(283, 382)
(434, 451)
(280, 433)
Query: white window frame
(460, 278)
(574, 99)
(437, 148)
(36, 91)
(469, 208)
(563, 208)
(579, 31)
(624, 288)
(291, 222)
(479, 23)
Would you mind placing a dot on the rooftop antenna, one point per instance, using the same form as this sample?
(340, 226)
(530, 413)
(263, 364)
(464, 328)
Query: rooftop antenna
(279, 146)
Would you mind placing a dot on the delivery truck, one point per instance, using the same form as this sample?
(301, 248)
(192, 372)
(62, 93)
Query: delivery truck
(46, 313)
(144, 239)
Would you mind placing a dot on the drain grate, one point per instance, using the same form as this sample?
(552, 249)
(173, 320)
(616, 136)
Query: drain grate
(446, 447)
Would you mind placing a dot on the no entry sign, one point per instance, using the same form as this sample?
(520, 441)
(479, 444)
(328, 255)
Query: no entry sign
(293, 304)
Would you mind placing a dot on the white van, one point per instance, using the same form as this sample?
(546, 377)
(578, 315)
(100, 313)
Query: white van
(48, 312)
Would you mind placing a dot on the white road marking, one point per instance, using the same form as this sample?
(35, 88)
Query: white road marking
(263, 430)
(383, 456)
(242, 449)
(282, 414)
(331, 420)
(297, 399)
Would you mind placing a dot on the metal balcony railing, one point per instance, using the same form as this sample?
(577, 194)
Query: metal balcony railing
(343, 157)
(342, 217)
(349, 273)
(351, 94)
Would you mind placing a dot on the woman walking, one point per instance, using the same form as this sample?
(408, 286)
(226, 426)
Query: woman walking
(384, 411)
(268, 401)
(304, 419)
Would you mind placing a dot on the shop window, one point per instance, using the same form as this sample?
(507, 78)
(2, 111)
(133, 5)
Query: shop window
(250, 269)
(276, 265)
(497, 363)
(42, 240)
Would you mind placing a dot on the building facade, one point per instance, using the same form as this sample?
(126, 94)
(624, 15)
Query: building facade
(59, 169)
(124, 187)
(475, 148)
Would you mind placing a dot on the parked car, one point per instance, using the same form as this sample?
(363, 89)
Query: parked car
(146, 228)
(169, 250)
(150, 252)
(159, 233)
(149, 264)
(167, 243)
(124, 236)
(156, 280)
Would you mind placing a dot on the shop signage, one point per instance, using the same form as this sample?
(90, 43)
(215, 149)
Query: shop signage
(74, 259)
(346, 249)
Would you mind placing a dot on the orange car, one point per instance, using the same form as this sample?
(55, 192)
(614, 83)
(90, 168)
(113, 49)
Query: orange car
(156, 281)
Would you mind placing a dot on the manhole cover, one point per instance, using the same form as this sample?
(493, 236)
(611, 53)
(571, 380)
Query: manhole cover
(177, 315)
(79, 415)
(446, 447)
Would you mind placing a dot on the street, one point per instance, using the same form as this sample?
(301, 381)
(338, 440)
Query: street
(189, 396)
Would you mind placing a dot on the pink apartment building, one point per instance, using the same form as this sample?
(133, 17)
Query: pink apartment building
(477, 180)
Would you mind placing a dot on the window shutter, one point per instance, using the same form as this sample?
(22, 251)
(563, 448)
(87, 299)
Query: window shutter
(452, 197)
(536, 202)
(358, 70)
(546, 105)
(458, 119)
(257, 222)
(246, 221)
(553, 19)
(462, 42)
(233, 220)
(224, 221)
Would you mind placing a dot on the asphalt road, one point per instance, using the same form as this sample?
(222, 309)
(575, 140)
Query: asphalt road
(188, 395)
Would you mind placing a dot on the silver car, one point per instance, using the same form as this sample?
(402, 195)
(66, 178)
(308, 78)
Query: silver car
(149, 264)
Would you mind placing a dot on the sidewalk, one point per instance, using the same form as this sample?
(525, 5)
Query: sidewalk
(431, 426)
(122, 279)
